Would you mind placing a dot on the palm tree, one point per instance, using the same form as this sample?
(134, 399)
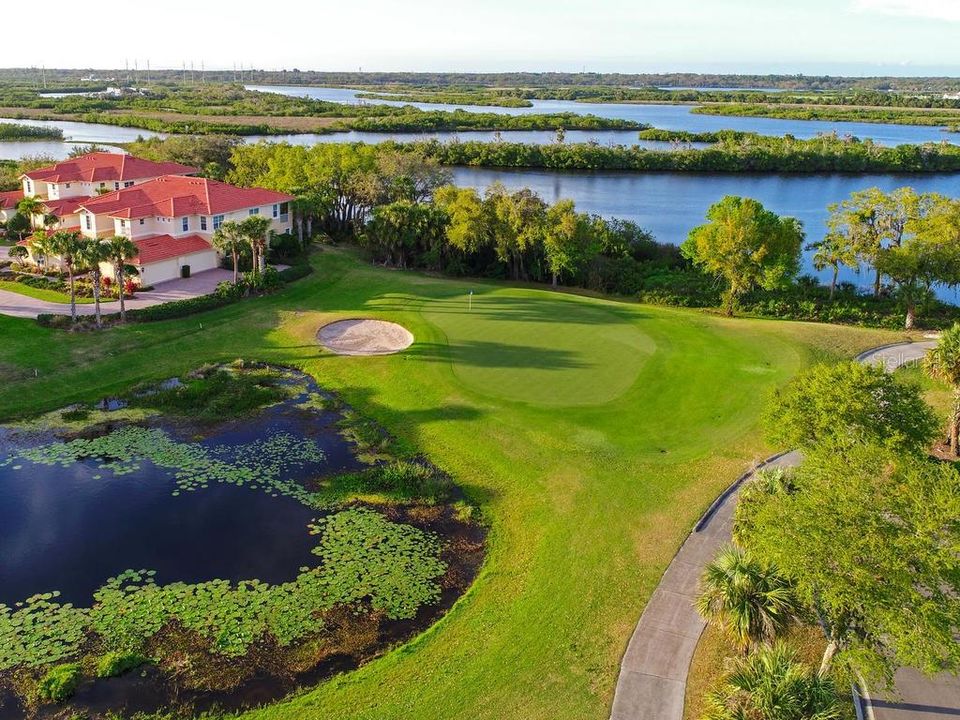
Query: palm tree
(750, 600)
(229, 238)
(943, 363)
(832, 252)
(90, 252)
(119, 250)
(772, 685)
(255, 230)
(31, 206)
(65, 245)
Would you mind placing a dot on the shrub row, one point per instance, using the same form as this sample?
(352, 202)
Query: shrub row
(225, 294)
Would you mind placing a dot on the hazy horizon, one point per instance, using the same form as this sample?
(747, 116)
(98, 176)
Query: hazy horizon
(836, 37)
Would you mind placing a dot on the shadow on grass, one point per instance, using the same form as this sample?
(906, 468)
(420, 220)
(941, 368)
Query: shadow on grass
(479, 353)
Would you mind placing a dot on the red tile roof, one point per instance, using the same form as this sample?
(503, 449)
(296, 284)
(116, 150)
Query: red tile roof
(163, 247)
(10, 199)
(176, 195)
(107, 167)
(66, 206)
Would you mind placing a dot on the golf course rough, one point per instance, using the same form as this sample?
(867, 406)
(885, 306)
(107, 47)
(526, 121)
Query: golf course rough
(587, 501)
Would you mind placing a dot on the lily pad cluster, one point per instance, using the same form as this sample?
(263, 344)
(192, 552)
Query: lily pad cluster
(259, 465)
(368, 563)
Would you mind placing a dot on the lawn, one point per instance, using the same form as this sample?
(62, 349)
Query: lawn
(43, 294)
(592, 433)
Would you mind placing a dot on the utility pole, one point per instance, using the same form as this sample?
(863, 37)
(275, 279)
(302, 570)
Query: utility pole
(43, 75)
(148, 71)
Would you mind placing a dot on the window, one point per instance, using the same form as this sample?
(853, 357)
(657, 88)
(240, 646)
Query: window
(67, 185)
(128, 183)
(254, 211)
(142, 221)
(86, 222)
(284, 212)
(276, 209)
(217, 221)
(29, 187)
(116, 186)
(185, 225)
(203, 222)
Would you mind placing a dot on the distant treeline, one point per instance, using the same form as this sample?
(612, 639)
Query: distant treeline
(748, 153)
(57, 78)
(893, 115)
(437, 120)
(18, 131)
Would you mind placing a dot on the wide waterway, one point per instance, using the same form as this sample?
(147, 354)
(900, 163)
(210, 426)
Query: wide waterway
(666, 116)
(667, 204)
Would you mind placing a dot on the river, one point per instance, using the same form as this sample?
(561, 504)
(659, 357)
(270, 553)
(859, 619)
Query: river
(667, 204)
(670, 117)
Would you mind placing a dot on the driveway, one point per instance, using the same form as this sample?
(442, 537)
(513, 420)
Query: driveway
(204, 283)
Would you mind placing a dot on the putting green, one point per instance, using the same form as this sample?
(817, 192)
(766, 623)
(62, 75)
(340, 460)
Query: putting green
(538, 348)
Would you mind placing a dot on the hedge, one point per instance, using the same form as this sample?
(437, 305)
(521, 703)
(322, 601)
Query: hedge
(173, 309)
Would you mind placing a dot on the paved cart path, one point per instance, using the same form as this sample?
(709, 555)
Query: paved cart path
(653, 672)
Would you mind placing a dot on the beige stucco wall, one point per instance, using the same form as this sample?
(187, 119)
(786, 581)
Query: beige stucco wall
(165, 270)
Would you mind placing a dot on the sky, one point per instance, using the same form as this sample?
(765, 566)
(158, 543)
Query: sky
(839, 37)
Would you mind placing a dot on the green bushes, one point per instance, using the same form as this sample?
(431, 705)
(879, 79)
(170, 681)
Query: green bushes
(19, 131)
(733, 154)
(114, 664)
(218, 395)
(59, 683)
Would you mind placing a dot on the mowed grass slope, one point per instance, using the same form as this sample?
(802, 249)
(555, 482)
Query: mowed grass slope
(591, 433)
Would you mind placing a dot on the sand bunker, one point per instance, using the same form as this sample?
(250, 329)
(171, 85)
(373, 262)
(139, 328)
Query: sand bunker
(364, 337)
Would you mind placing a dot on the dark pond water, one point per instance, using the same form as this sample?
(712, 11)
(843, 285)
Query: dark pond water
(72, 528)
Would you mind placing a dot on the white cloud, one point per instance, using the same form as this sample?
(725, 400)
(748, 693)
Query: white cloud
(948, 10)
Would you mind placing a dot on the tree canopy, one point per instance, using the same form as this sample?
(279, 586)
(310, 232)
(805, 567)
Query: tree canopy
(870, 539)
(747, 246)
(847, 404)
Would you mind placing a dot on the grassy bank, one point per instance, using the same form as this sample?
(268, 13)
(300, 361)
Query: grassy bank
(592, 434)
(54, 296)
(896, 116)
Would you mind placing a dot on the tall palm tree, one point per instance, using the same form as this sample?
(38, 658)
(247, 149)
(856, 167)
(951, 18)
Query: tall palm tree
(90, 252)
(255, 229)
(229, 239)
(943, 363)
(750, 600)
(32, 206)
(119, 250)
(65, 245)
(833, 251)
(772, 685)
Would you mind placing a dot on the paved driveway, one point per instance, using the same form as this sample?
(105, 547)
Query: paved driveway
(203, 283)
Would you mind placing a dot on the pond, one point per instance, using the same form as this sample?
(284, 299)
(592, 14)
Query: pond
(233, 534)
(69, 528)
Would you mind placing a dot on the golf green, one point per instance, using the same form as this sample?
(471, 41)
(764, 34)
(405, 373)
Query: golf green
(526, 346)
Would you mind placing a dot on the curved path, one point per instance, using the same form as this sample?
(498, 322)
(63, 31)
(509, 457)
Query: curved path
(653, 672)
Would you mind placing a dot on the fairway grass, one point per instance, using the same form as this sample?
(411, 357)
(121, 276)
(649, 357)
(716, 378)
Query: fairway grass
(591, 433)
(54, 296)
